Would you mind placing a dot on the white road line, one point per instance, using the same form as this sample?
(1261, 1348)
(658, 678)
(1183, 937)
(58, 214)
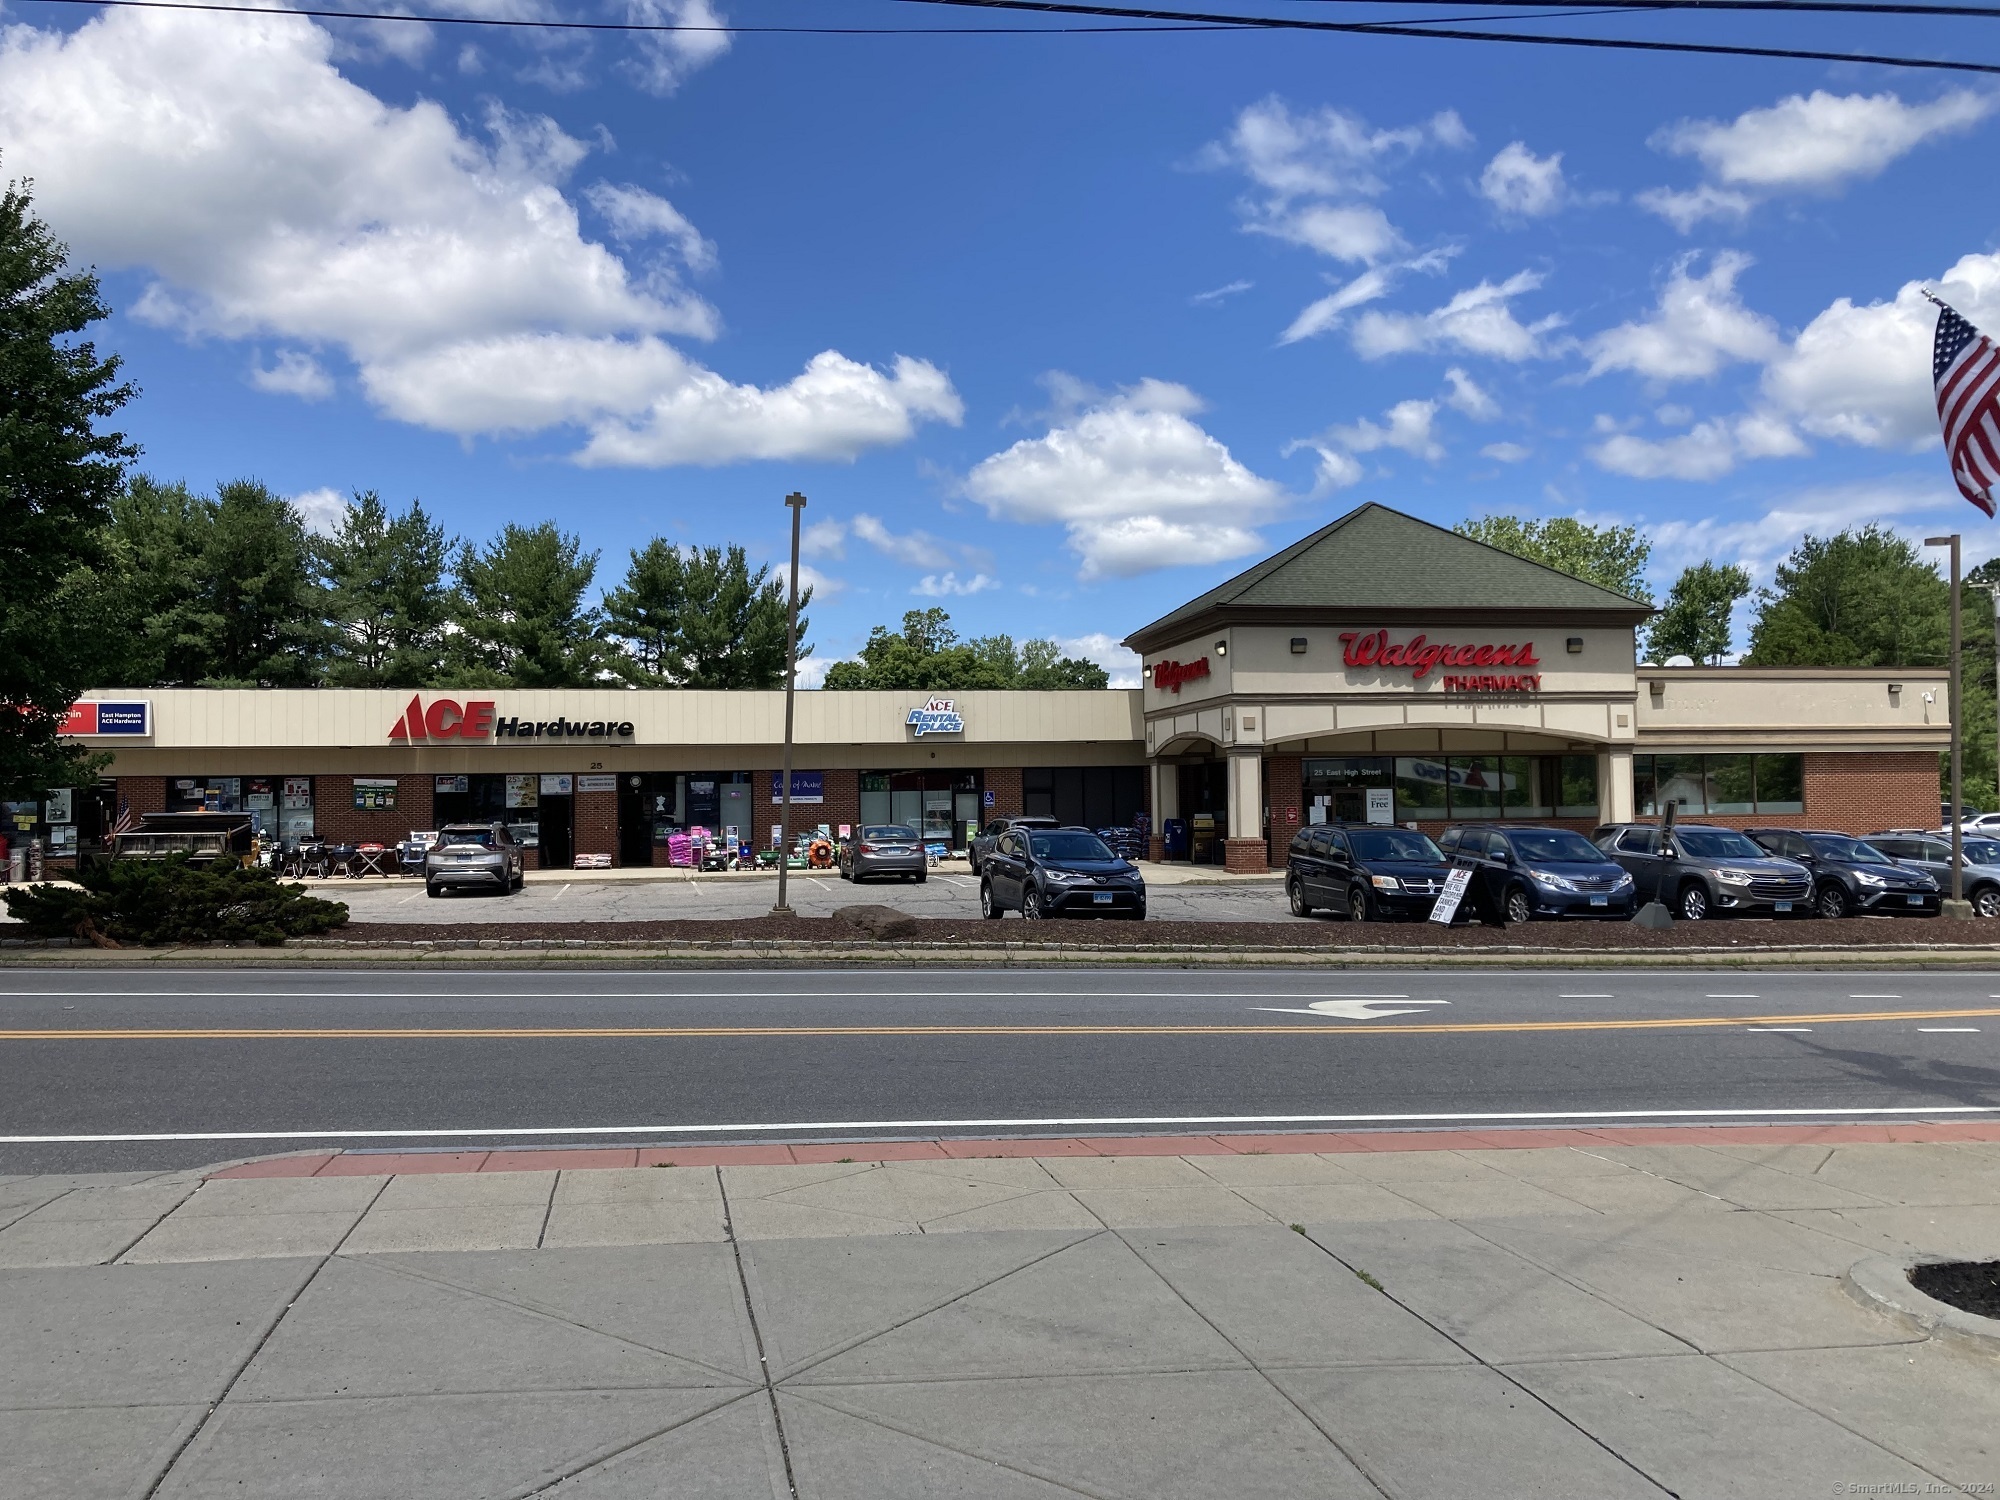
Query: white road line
(1948, 1028)
(1778, 1028)
(409, 898)
(560, 894)
(1874, 997)
(1586, 997)
(1735, 997)
(1063, 1122)
(815, 995)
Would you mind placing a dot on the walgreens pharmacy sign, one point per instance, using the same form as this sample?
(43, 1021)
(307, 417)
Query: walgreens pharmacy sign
(480, 719)
(1419, 656)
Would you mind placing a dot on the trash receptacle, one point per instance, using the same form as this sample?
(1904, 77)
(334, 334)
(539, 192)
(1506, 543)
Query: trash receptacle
(17, 866)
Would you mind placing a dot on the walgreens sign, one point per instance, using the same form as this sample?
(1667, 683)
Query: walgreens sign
(480, 719)
(1169, 675)
(1420, 657)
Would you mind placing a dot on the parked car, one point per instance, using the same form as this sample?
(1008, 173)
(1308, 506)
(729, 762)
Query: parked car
(474, 855)
(1853, 875)
(883, 849)
(1363, 873)
(1931, 853)
(1701, 871)
(1057, 872)
(1529, 871)
(983, 841)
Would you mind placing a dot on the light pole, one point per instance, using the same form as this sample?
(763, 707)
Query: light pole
(797, 503)
(1956, 905)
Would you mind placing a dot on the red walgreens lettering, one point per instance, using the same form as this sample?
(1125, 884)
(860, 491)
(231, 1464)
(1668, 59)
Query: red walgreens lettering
(1169, 675)
(1373, 648)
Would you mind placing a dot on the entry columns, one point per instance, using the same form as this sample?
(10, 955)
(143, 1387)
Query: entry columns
(1245, 851)
(1166, 804)
(1614, 787)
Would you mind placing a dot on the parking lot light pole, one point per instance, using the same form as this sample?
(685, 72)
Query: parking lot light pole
(797, 504)
(1956, 906)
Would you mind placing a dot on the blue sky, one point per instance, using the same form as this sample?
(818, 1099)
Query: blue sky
(1054, 331)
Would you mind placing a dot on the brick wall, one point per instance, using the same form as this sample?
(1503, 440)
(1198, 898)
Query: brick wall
(1283, 792)
(338, 821)
(1004, 786)
(1858, 793)
(596, 823)
(143, 794)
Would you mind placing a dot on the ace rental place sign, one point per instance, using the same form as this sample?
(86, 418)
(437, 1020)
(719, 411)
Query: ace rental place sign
(1419, 656)
(479, 719)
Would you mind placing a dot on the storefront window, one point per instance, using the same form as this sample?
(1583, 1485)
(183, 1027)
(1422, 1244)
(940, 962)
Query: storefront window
(875, 797)
(1475, 786)
(1524, 781)
(1420, 794)
(1712, 785)
(1677, 778)
(1087, 796)
(1781, 783)
(1336, 789)
(1729, 784)
(1577, 795)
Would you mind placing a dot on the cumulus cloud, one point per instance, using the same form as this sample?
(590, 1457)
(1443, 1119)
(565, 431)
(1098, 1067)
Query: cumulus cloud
(1220, 293)
(917, 548)
(826, 538)
(1699, 326)
(1759, 540)
(1708, 450)
(950, 585)
(1522, 185)
(1123, 665)
(1466, 396)
(1335, 471)
(294, 373)
(1405, 426)
(1371, 285)
(1505, 453)
(1685, 209)
(1136, 484)
(661, 62)
(1479, 320)
(321, 510)
(822, 586)
(271, 197)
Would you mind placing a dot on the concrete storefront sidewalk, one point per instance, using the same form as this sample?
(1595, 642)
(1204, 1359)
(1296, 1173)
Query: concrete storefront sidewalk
(1611, 1314)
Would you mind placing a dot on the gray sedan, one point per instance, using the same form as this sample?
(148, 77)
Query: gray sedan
(884, 849)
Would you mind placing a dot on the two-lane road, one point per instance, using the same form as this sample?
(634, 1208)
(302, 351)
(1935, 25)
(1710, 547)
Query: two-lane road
(124, 1070)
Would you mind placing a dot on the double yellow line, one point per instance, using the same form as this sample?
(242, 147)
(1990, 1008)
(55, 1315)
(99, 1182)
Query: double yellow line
(568, 1033)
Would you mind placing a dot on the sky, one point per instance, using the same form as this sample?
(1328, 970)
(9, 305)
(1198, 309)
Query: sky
(1053, 331)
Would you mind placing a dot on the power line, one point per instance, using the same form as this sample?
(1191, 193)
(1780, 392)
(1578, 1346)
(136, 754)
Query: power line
(1190, 21)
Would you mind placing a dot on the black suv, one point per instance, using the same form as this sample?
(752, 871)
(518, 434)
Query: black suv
(1529, 871)
(1059, 872)
(1363, 873)
(983, 841)
(1852, 875)
(1699, 871)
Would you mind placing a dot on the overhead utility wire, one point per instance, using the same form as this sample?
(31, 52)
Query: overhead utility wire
(1164, 20)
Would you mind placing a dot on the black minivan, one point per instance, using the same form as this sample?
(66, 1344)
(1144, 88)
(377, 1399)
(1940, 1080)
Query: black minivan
(1529, 871)
(1363, 872)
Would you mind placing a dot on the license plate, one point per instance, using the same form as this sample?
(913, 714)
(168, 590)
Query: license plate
(1102, 898)
(1600, 900)
(1916, 900)
(1781, 906)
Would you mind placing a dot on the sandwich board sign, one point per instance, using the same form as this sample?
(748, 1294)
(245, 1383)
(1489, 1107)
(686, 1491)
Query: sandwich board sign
(1453, 893)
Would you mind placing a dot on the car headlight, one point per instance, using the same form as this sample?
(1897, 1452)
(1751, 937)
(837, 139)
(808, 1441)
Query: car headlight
(1385, 882)
(1554, 882)
(1067, 877)
(1734, 877)
(1869, 877)
(1624, 879)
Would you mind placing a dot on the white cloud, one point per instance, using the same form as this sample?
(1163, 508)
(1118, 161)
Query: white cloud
(1136, 484)
(662, 62)
(271, 197)
(321, 510)
(1478, 320)
(1699, 326)
(1220, 293)
(1521, 184)
(1820, 141)
(823, 539)
(1370, 286)
(1356, 232)
(1123, 665)
(1686, 209)
(1506, 453)
(813, 670)
(1706, 451)
(1335, 471)
(1407, 426)
(950, 585)
(1758, 541)
(295, 373)
(823, 586)
(635, 214)
(1465, 396)
(918, 549)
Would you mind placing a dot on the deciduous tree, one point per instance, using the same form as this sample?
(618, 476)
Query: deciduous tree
(1612, 557)
(1695, 619)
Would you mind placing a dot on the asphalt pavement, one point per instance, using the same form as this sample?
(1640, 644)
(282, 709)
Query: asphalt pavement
(152, 1070)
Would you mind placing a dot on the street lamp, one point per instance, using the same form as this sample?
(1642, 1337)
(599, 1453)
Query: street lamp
(797, 504)
(1956, 905)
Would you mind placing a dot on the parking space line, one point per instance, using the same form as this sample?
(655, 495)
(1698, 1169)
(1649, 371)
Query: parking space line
(560, 894)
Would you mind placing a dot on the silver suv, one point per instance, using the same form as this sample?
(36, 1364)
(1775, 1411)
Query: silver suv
(481, 855)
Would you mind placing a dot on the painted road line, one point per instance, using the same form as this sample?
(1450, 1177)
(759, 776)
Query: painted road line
(1874, 997)
(1948, 1028)
(669, 1033)
(1586, 997)
(1732, 997)
(1065, 1122)
(816, 995)
(1769, 1029)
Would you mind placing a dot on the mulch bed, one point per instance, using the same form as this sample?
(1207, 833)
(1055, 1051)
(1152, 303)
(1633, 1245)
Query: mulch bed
(1856, 932)
(1973, 1286)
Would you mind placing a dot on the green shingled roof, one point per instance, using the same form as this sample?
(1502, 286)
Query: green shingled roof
(1377, 558)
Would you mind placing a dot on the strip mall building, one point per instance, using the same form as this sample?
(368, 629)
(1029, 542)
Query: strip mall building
(1379, 670)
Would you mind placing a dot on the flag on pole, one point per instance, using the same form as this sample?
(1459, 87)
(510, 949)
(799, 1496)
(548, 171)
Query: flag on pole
(127, 819)
(1965, 367)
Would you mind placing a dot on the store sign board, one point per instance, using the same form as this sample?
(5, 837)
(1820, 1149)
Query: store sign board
(93, 716)
(557, 783)
(938, 716)
(807, 786)
(480, 719)
(606, 783)
(1169, 675)
(1419, 656)
(375, 794)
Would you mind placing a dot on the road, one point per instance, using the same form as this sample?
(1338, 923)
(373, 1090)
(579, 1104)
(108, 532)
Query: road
(181, 1068)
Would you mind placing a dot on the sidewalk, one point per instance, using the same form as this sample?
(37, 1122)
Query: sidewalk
(1662, 1313)
(1156, 873)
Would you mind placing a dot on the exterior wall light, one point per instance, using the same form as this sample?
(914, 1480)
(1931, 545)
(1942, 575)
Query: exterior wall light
(1146, 671)
(1298, 645)
(1222, 648)
(1575, 644)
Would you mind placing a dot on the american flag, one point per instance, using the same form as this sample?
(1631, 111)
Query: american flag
(1966, 368)
(127, 819)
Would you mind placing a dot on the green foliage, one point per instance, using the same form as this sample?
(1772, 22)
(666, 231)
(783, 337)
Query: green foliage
(697, 617)
(58, 473)
(388, 595)
(1695, 619)
(155, 541)
(258, 612)
(521, 613)
(1863, 598)
(927, 656)
(1612, 557)
(171, 901)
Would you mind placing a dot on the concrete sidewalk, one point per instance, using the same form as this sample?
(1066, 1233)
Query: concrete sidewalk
(1652, 1316)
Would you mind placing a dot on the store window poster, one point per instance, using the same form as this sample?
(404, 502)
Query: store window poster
(524, 791)
(371, 795)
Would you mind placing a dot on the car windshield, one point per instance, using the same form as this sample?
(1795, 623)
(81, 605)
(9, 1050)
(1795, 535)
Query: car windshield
(1549, 846)
(1069, 846)
(889, 833)
(1854, 851)
(1981, 851)
(1716, 843)
(467, 836)
(1394, 843)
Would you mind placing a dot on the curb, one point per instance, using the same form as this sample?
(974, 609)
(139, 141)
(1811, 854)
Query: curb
(1882, 1283)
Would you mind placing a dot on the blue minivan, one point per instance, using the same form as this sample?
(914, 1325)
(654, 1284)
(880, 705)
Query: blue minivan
(1529, 871)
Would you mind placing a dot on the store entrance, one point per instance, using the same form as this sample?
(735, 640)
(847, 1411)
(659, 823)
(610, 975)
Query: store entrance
(1348, 806)
(1204, 802)
(635, 822)
(556, 825)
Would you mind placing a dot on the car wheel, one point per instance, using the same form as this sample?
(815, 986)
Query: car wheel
(1832, 901)
(1295, 895)
(988, 907)
(1518, 907)
(1693, 905)
(1986, 901)
(922, 876)
(1031, 904)
(1359, 907)
(432, 889)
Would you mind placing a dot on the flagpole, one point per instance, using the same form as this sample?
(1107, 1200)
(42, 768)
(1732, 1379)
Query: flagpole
(1956, 906)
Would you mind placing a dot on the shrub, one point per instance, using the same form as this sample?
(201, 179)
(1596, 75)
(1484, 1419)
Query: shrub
(171, 901)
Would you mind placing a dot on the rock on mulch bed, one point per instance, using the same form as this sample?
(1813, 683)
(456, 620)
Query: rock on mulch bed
(1972, 1286)
(887, 925)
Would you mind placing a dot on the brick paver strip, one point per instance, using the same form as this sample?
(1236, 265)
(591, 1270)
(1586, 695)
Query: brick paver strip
(387, 1163)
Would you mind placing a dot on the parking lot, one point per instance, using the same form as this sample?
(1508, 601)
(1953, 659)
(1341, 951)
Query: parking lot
(661, 896)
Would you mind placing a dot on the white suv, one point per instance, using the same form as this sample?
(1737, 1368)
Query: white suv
(474, 854)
